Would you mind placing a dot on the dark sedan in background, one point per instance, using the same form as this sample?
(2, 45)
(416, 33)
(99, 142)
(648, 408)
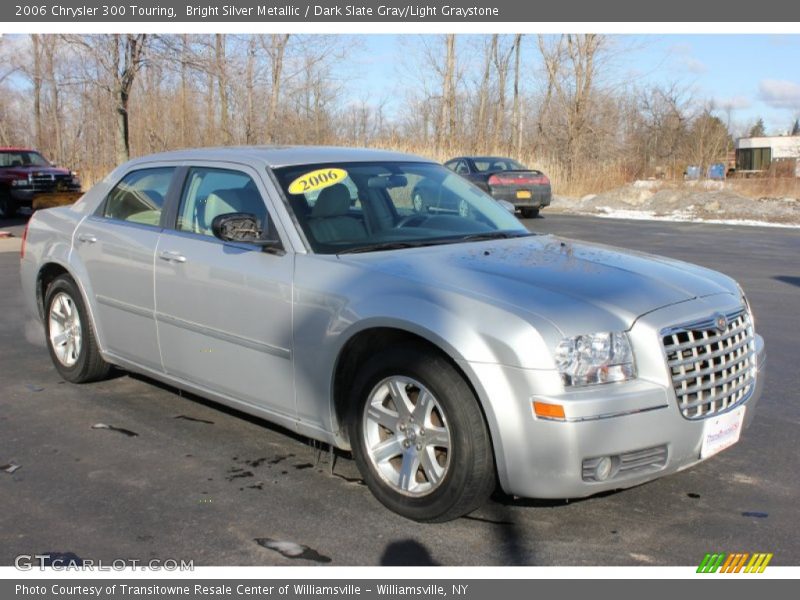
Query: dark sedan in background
(506, 179)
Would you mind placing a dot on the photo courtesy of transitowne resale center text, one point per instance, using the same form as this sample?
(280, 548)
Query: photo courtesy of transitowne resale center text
(296, 298)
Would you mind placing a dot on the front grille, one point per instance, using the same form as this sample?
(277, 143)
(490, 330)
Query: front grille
(50, 182)
(711, 370)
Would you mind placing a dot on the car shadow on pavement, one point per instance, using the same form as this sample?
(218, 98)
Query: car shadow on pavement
(407, 553)
(19, 219)
(790, 279)
(217, 406)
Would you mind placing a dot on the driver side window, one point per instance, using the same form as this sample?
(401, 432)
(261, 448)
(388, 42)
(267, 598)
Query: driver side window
(210, 192)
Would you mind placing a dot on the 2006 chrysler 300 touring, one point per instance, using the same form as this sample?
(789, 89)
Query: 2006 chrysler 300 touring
(448, 349)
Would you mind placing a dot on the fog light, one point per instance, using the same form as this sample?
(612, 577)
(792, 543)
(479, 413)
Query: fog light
(603, 469)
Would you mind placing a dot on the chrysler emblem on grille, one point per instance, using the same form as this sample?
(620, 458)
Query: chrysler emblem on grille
(720, 322)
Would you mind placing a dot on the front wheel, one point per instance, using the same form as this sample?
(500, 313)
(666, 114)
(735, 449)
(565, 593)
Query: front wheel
(419, 437)
(70, 335)
(8, 206)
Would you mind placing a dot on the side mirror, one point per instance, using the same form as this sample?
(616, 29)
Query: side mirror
(242, 228)
(507, 205)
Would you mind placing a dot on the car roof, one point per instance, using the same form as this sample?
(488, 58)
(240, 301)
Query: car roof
(481, 157)
(284, 156)
(14, 149)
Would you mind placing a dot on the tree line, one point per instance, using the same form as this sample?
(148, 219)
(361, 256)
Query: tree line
(552, 101)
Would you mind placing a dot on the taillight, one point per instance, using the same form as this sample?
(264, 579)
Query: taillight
(522, 180)
(24, 239)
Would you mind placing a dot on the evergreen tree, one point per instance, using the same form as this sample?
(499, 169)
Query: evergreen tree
(758, 130)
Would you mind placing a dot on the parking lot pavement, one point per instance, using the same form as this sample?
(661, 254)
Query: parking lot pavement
(181, 478)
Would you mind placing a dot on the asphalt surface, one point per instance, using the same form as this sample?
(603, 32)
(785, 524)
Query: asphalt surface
(205, 483)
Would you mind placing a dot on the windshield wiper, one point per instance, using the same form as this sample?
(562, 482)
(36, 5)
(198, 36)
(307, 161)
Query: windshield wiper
(388, 246)
(475, 237)
(491, 235)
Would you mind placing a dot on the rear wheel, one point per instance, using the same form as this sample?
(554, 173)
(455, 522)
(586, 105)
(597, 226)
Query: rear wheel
(530, 213)
(70, 335)
(419, 437)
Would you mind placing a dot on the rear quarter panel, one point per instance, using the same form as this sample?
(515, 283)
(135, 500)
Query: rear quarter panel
(50, 241)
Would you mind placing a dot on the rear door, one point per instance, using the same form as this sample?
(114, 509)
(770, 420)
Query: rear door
(224, 310)
(117, 245)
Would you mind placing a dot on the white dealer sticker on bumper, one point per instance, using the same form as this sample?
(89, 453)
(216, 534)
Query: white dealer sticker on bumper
(721, 432)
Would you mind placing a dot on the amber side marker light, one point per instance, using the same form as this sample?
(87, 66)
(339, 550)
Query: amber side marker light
(545, 410)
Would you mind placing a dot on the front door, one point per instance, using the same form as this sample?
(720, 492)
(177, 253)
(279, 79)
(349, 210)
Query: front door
(223, 310)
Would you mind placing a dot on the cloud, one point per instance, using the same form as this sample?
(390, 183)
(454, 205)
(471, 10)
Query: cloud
(685, 60)
(693, 65)
(779, 93)
(681, 48)
(734, 103)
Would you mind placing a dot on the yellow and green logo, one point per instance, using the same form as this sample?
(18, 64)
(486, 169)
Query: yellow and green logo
(735, 562)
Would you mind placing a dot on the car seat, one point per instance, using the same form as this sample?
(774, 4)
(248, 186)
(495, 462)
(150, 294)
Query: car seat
(330, 220)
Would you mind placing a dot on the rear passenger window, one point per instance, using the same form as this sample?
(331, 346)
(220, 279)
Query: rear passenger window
(139, 197)
(209, 193)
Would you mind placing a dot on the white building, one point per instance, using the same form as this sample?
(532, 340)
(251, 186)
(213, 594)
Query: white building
(758, 153)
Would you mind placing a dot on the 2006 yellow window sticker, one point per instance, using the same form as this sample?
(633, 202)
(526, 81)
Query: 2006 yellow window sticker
(316, 180)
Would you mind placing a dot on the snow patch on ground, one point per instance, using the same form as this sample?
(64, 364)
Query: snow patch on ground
(680, 216)
(692, 201)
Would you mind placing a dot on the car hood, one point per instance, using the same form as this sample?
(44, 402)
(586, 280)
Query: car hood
(574, 285)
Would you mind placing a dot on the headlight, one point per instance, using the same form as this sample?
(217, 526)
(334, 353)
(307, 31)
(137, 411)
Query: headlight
(19, 182)
(747, 306)
(595, 358)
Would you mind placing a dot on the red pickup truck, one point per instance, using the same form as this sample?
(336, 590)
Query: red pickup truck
(26, 176)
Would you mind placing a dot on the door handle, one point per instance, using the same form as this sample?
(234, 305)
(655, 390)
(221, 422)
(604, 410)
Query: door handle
(172, 256)
(87, 238)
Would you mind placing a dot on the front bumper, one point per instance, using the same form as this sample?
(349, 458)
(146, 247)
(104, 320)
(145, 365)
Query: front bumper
(26, 196)
(539, 458)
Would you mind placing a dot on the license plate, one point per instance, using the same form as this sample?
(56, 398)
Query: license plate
(523, 194)
(721, 432)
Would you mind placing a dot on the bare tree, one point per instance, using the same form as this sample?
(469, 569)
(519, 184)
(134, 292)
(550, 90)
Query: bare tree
(275, 47)
(501, 58)
(482, 121)
(221, 71)
(36, 77)
(516, 112)
(446, 125)
(119, 57)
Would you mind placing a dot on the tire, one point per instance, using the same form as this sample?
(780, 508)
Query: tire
(429, 465)
(530, 213)
(70, 335)
(8, 207)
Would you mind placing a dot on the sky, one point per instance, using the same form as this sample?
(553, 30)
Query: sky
(756, 76)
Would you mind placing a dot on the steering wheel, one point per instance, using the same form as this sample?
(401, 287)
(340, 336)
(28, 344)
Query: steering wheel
(408, 220)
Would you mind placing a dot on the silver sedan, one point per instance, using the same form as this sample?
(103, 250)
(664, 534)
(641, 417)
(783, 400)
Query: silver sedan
(450, 350)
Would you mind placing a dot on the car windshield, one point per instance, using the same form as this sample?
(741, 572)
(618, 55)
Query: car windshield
(490, 164)
(22, 158)
(361, 207)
